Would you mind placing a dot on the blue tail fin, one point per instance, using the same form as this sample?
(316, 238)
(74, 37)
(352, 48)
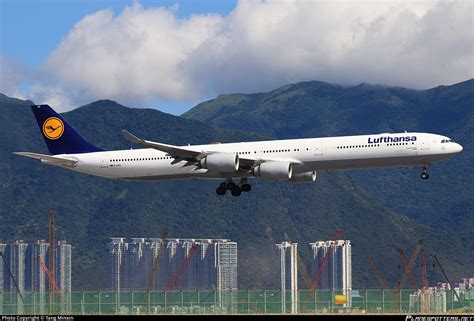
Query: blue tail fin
(59, 136)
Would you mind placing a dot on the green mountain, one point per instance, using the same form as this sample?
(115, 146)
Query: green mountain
(90, 210)
(317, 109)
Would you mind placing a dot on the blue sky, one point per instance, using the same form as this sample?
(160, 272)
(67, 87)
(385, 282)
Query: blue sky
(31, 29)
(171, 55)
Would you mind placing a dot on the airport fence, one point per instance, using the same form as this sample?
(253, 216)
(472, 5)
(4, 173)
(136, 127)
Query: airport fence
(234, 302)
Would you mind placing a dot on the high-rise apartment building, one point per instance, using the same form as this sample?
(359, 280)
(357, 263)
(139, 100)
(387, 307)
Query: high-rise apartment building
(29, 263)
(183, 264)
(338, 273)
(289, 276)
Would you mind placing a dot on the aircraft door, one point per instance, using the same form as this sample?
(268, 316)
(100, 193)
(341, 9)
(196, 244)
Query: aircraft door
(103, 163)
(424, 145)
(318, 149)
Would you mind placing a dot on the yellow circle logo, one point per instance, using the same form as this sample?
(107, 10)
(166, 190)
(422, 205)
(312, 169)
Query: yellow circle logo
(53, 128)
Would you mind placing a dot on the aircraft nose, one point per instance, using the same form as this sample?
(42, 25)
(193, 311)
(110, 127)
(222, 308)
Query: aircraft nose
(457, 148)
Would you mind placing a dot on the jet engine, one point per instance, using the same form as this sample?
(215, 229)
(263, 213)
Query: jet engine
(223, 163)
(274, 170)
(307, 177)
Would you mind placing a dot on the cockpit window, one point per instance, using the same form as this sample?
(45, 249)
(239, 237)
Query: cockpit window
(446, 141)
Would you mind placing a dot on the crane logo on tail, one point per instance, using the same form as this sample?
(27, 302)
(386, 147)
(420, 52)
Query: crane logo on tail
(53, 128)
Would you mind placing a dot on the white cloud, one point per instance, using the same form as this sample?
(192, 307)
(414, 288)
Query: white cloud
(142, 55)
(12, 74)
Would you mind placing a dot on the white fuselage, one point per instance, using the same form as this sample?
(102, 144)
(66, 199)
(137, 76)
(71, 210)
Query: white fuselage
(311, 154)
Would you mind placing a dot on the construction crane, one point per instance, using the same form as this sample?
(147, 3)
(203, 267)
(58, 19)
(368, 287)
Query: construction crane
(424, 274)
(447, 279)
(173, 283)
(52, 256)
(324, 263)
(51, 279)
(378, 273)
(301, 266)
(7, 266)
(407, 269)
(156, 261)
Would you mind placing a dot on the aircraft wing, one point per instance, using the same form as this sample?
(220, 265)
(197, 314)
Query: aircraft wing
(178, 153)
(58, 160)
(192, 156)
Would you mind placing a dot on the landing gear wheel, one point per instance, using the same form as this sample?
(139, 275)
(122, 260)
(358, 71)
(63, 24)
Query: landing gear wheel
(425, 174)
(231, 186)
(220, 190)
(246, 187)
(236, 191)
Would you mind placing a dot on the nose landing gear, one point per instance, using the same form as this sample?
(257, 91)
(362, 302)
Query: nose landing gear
(424, 174)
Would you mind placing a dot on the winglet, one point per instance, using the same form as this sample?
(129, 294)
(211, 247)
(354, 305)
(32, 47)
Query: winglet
(132, 138)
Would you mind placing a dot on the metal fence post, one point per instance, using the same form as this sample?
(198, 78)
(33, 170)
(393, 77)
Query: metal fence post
(400, 302)
(265, 301)
(315, 297)
(452, 298)
(248, 301)
(365, 299)
(383, 300)
(199, 302)
(149, 303)
(331, 302)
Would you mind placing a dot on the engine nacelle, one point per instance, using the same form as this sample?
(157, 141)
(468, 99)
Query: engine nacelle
(223, 163)
(307, 177)
(274, 170)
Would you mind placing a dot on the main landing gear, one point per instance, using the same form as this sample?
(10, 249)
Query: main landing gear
(235, 189)
(424, 174)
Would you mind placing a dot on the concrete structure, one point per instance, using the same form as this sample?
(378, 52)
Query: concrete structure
(115, 276)
(63, 269)
(23, 261)
(15, 256)
(211, 265)
(428, 301)
(338, 275)
(136, 259)
(36, 278)
(289, 276)
(466, 284)
(225, 262)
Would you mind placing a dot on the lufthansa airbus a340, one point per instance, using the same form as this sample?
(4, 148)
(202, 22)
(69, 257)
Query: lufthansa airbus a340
(292, 160)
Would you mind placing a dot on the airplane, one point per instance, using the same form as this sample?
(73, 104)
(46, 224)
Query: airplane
(291, 160)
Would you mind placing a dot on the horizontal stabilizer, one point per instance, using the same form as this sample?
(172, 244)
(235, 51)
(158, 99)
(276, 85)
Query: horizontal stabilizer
(52, 159)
